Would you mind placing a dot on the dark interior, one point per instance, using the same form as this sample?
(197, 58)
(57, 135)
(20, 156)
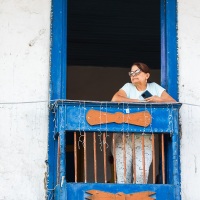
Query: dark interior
(113, 33)
(104, 39)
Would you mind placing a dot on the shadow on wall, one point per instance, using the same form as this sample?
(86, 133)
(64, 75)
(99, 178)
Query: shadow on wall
(98, 83)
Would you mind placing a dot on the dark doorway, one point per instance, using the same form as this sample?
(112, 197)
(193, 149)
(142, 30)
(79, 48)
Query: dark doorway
(104, 39)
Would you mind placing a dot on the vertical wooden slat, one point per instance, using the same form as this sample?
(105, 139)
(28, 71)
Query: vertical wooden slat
(104, 157)
(124, 155)
(85, 157)
(58, 161)
(143, 160)
(75, 157)
(163, 158)
(95, 157)
(153, 159)
(134, 158)
(114, 158)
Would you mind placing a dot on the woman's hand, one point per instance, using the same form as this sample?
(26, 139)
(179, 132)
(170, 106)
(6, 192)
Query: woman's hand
(154, 99)
(165, 97)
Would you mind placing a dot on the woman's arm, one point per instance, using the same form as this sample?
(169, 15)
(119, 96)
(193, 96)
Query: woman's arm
(165, 97)
(121, 96)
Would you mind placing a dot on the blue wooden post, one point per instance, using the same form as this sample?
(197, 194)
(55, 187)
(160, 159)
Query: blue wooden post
(169, 68)
(176, 156)
(57, 80)
(61, 127)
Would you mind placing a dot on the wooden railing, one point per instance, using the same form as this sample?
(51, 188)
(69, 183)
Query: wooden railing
(90, 122)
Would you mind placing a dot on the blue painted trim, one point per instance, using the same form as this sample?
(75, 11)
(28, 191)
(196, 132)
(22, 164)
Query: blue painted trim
(175, 157)
(58, 50)
(163, 42)
(79, 191)
(171, 47)
(58, 74)
(169, 64)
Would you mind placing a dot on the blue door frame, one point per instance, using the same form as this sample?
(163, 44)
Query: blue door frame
(58, 84)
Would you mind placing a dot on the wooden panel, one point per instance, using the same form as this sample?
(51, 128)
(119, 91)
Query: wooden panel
(129, 191)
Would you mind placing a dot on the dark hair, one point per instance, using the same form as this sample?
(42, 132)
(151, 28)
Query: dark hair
(143, 67)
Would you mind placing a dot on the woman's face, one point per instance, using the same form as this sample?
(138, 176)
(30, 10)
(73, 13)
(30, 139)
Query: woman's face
(139, 78)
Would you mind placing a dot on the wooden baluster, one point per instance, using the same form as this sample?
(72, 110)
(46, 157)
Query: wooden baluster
(153, 159)
(75, 156)
(85, 157)
(134, 158)
(104, 157)
(124, 155)
(114, 158)
(143, 160)
(163, 158)
(95, 157)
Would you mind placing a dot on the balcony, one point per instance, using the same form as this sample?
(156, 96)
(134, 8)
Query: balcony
(86, 136)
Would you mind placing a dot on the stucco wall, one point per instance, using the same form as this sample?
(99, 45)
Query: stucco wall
(189, 84)
(24, 86)
(24, 82)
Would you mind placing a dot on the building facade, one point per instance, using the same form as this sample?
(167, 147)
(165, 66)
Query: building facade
(25, 67)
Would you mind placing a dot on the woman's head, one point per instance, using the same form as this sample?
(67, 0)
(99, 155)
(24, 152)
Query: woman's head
(143, 67)
(139, 73)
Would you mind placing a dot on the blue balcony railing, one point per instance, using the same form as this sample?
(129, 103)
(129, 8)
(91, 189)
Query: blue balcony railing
(83, 119)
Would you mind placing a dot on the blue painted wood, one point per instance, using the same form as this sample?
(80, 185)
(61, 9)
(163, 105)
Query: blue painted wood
(58, 85)
(71, 116)
(163, 45)
(175, 156)
(169, 68)
(75, 112)
(78, 191)
(57, 80)
(58, 50)
(171, 47)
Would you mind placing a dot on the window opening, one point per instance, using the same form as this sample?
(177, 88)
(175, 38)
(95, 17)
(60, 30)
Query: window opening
(104, 39)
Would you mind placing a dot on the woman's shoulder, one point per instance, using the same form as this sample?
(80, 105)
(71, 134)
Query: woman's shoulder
(128, 87)
(154, 84)
(155, 88)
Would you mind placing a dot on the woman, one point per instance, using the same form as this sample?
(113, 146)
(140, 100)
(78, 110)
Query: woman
(132, 92)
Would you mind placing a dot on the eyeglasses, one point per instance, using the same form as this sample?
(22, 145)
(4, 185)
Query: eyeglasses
(135, 73)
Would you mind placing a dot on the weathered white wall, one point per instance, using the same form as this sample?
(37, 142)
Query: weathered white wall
(189, 87)
(24, 77)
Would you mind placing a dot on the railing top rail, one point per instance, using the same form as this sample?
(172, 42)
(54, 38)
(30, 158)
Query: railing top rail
(116, 117)
(60, 102)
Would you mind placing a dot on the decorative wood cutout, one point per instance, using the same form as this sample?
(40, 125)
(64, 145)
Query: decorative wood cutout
(99, 195)
(95, 117)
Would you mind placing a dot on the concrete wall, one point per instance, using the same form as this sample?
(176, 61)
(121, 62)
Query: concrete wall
(189, 84)
(24, 86)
